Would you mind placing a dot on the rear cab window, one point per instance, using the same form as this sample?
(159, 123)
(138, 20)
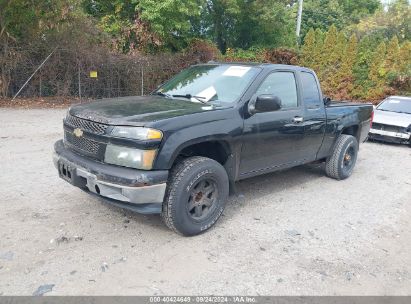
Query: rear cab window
(310, 91)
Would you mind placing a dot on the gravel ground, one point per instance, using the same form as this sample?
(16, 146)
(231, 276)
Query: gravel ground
(295, 232)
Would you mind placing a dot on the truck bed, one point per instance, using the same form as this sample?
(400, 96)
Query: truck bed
(354, 116)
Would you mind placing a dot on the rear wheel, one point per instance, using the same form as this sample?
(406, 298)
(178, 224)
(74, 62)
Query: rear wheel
(196, 194)
(342, 161)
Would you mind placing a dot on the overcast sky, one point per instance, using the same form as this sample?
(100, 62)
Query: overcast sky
(388, 1)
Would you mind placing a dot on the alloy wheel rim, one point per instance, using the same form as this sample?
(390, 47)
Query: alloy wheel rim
(349, 158)
(202, 199)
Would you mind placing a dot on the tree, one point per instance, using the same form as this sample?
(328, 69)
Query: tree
(25, 20)
(396, 20)
(308, 50)
(405, 67)
(404, 59)
(377, 73)
(146, 25)
(275, 23)
(355, 10)
(391, 59)
(119, 19)
(24, 23)
(322, 14)
(330, 51)
(169, 19)
(220, 17)
(247, 24)
(329, 60)
(398, 63)
(311, 51)
(345, 76)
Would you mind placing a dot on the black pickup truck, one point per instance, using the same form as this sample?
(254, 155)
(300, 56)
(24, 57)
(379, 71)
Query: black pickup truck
(178, 151)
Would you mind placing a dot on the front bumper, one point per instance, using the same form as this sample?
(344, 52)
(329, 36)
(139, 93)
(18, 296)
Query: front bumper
(388, 136)
(137, 190)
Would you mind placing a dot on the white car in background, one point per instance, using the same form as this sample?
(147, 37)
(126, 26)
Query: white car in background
(392, 120)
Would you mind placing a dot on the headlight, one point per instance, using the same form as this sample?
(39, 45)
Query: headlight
(136, 133)
(130, 157)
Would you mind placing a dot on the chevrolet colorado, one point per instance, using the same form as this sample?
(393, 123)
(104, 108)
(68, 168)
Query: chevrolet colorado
(179, 151)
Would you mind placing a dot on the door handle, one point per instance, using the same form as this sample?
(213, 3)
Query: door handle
(298, 119)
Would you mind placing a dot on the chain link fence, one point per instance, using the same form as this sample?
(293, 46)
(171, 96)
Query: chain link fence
(91, 72)
(88, 75)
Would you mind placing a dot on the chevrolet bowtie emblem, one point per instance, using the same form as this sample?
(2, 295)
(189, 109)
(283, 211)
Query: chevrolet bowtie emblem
(78, 132)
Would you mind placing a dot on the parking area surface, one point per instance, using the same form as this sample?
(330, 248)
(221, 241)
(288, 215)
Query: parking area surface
(294, 232)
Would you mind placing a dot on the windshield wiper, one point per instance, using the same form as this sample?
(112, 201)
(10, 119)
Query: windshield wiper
(163, 94)
(189, 96)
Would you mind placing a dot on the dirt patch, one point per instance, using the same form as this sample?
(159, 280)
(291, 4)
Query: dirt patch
(294, 232)
(54, 102)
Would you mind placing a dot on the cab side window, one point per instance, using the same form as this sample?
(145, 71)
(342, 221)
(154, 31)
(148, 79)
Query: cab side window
(282, 85)
(311, 94)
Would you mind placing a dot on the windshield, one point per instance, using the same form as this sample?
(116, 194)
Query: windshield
(399, 105)
(215, 84)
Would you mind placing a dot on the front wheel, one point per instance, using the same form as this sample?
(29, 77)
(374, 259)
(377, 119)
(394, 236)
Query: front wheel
(196, 194)
(343, 158)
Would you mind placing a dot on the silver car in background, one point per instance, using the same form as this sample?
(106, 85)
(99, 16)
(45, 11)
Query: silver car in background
(392, 120)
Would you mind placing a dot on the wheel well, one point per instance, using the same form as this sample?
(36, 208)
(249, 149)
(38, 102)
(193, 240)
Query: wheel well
(216, 150)
(352, 130)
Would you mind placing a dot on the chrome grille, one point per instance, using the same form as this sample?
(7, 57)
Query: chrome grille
(84, 145)
(86, 125)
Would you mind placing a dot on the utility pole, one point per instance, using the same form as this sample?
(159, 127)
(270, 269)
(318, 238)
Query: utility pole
(300, 12)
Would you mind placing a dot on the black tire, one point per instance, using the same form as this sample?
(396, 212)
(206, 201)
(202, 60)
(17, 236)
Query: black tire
(343, 158)
(196, 194)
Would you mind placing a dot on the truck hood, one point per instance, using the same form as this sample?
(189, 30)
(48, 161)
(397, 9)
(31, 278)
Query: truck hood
(392, 118)
(136, 110)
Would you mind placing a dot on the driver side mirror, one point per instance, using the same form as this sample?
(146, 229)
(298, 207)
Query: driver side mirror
(265, 103)
(327, 100)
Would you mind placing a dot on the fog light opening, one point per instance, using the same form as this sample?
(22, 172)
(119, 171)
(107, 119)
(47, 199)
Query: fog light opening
(97, 189)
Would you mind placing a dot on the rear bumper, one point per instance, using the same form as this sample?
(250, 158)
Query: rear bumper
(388, 136)
(137, 190)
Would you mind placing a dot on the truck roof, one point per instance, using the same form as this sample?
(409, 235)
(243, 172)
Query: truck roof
(261, 65)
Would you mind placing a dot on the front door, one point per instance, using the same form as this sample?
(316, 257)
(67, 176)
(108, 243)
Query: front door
(274, 139)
